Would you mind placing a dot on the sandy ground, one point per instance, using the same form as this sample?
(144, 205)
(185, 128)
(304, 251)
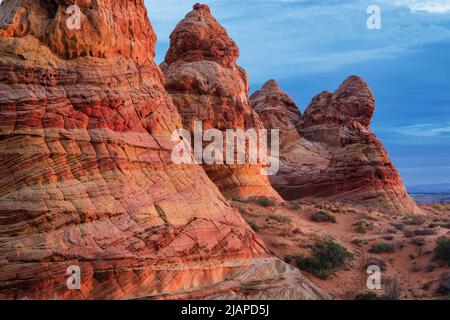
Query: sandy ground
(287, 230)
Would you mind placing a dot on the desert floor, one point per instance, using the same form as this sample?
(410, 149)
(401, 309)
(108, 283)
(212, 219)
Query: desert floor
(288, 231)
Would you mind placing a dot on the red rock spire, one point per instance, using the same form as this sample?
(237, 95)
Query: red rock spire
(207, 85)
(277, 110)
(335, 156)
(200, 37)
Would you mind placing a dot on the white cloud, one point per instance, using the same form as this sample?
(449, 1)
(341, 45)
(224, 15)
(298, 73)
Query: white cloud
(294, 37)
(430, 6)
(424, 130)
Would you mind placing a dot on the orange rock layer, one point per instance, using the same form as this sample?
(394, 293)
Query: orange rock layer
(86, 176)
(206, 85)
(330, 153)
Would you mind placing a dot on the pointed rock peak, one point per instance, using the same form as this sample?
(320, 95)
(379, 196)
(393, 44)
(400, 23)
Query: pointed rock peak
(354, 84)
(83, 28)
(200, 37)
(271, 90)
(271, 85)
(354, 99)
(277, 110)
(199, 7)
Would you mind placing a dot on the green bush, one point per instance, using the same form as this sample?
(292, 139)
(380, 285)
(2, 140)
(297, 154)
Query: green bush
(328, 250)
(326, 256)
(323, 216)
(321, 269)
(265, 202)
(442, 251)
(383, 247)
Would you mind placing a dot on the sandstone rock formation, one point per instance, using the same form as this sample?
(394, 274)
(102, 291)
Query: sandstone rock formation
(278, 111)
(330, 153)
(86, 177)
(207, 85)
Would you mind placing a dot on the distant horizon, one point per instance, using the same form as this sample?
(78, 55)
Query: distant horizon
(309, 47)
(437, 188)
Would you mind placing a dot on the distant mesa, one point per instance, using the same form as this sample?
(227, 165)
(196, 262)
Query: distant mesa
(430, 188)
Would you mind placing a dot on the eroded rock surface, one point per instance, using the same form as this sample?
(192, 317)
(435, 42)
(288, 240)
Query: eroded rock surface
(86, 177)
(207, 85)
(331, 153)
(277, 110)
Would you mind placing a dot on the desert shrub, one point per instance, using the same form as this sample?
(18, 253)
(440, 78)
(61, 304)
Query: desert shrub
(392, 289)
(359, 242)
(442, 250)
(398, 226)
(319, 268)
(373, 261)
(430, 267)
(265, 201)
(383, 247)
(280, 218)
(366, 296)
(361, 226)
(326, 256)
(331, 251)
(253, 225)
(333, 206)
(323, 216)
(409, 233)
(414, 220)
(444, 285)
(294, 206)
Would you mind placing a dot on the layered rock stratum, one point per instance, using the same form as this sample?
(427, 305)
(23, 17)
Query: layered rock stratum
(86, 177)
(207, 85)
(330, 153)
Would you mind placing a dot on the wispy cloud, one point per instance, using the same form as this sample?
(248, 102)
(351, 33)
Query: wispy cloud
(296, 37)
(430, 6)
(427, 130)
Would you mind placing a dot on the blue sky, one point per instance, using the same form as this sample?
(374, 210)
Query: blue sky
(309, 46)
